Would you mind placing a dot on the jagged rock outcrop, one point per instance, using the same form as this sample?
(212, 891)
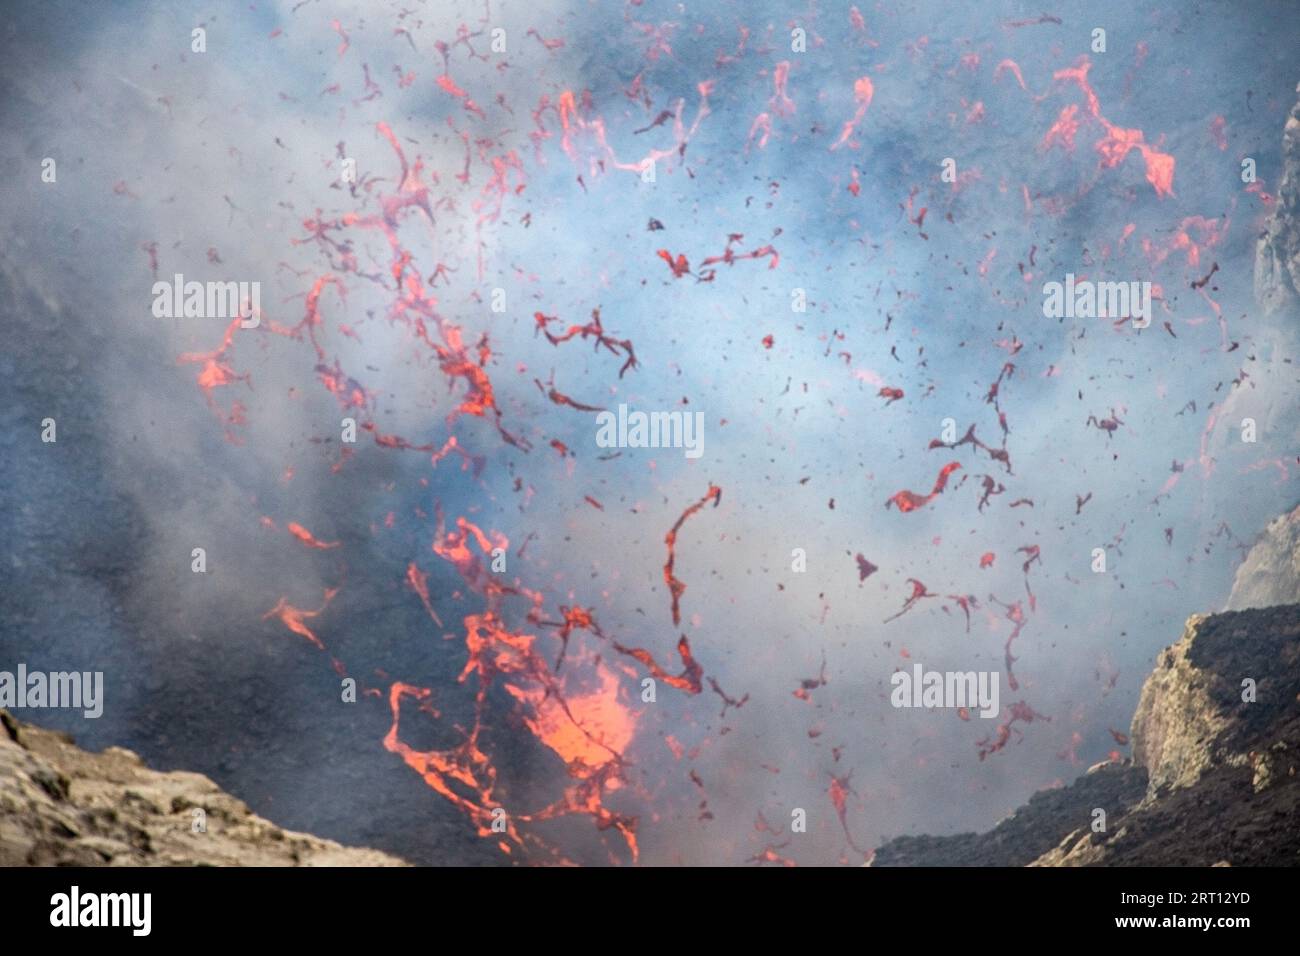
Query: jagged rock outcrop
(1177, 719)
(1215, 774)
(1221, 755)
(60, 805)
(1277, 253)
(1270, 575)
(1033, 830)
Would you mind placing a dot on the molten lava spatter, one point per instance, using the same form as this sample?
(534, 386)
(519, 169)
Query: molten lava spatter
(396, 337)
(676, 587)
(910, 500)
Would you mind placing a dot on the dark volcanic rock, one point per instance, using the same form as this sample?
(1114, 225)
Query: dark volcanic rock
(1222, 769)
(1031, 831)
(1213, 778)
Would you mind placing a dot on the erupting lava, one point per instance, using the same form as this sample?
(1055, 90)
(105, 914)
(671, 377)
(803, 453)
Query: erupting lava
(478, 413)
